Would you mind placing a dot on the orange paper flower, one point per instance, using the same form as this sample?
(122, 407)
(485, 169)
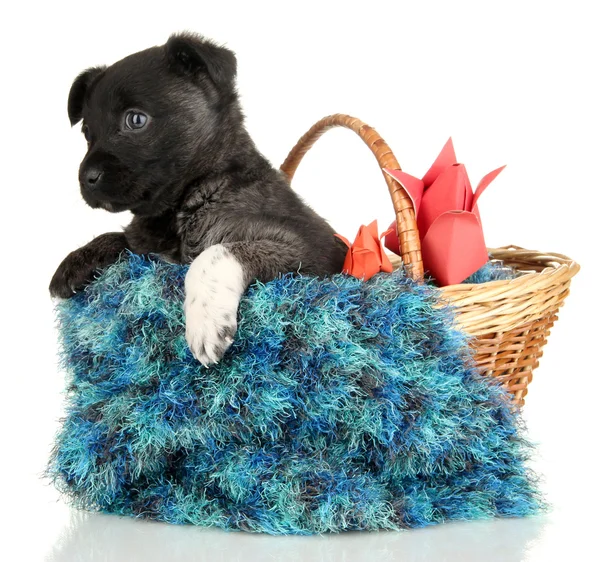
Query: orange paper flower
(366, 256)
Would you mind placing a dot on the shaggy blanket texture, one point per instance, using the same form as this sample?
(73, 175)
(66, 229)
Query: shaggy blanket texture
(342, 405)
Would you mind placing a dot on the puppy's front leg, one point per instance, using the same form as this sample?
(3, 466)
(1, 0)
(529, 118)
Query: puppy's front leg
(79, 267)
(214, 285)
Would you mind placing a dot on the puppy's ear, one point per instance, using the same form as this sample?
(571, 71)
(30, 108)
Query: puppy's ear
(80, 86)
(192, 54)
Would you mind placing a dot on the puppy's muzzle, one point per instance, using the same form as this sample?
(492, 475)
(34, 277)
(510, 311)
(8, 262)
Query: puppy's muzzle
(91, 177)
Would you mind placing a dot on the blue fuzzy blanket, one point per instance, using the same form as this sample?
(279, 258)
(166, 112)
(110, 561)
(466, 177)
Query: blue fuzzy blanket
(342, 405)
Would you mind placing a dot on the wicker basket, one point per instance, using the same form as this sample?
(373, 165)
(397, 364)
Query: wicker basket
(510, 320)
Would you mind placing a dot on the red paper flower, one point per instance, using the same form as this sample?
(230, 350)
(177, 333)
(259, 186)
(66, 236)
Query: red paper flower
(452, 242)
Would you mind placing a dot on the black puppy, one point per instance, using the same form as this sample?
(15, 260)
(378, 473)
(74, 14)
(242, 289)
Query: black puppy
(166, 141)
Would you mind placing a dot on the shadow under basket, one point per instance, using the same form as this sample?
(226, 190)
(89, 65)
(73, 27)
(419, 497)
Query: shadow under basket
(509, 320)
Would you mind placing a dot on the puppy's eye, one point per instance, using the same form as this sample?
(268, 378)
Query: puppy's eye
(135, 120)
(86, 133)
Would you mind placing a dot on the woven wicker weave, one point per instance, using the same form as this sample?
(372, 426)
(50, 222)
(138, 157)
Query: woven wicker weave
(509, 320)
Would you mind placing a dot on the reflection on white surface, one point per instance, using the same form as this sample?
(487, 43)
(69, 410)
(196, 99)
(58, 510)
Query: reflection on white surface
(101, 538)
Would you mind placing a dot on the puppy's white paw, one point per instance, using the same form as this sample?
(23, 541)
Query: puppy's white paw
(214, 285)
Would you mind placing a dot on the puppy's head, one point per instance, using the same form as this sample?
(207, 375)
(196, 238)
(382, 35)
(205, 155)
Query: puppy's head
(152, 122)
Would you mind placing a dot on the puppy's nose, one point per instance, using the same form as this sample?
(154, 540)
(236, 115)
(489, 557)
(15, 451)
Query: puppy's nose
(92, 176)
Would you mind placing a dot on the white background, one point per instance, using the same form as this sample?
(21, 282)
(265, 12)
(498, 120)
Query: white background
(514, 83)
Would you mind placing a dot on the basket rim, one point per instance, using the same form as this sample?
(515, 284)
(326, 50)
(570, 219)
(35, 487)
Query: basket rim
(506, 304)
(555, 263)
(557, 266)
(500, 306)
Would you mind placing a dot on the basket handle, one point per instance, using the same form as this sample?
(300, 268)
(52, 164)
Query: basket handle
(408, 235)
